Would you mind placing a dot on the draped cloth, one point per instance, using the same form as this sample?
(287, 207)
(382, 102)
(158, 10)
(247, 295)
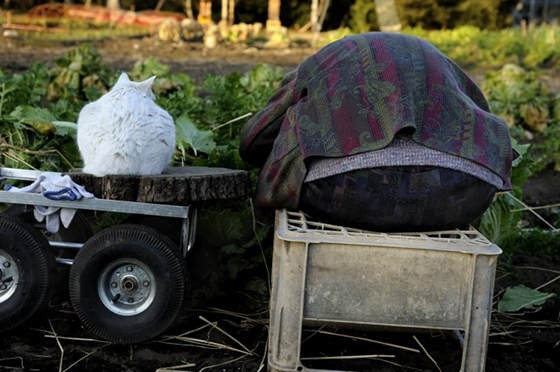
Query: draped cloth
(353, 96)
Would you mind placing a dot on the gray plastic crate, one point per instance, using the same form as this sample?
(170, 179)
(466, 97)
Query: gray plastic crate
(328, 274)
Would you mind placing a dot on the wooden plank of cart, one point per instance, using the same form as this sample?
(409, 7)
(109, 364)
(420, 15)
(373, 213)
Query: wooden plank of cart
(127, 282)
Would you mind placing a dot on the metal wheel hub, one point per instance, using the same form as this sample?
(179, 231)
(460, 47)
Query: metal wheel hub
(126, 287)
(9, 276)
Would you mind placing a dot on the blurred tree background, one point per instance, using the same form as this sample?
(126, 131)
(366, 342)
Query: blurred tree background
(357, 15)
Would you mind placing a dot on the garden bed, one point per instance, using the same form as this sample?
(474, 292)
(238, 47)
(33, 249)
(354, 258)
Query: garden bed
(223, 333)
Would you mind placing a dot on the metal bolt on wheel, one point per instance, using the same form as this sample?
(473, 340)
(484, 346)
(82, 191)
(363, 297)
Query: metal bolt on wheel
(9, 276)
(127, 287)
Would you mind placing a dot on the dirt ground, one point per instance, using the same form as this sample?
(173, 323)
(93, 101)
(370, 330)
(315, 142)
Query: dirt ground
(220, 336)
(189, 57)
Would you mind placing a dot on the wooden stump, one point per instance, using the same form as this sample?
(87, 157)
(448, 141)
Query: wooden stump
(177, 185)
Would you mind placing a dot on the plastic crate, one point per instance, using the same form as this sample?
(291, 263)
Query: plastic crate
(325, 274)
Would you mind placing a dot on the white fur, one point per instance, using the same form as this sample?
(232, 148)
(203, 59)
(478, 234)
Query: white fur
(125, 131)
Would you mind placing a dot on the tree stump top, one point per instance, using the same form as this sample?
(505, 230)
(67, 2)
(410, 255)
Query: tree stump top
(176, 185)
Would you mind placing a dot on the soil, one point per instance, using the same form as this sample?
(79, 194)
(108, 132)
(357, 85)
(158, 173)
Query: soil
(189, 57)
(528, 341)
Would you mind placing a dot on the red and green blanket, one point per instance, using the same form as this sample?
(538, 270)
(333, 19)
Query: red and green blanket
(354, 95)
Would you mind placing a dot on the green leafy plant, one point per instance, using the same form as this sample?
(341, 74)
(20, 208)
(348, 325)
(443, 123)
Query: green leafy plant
(533, 241)
(37, 118)
(472, 46)
(235, 95)
(521, 297)
(39, 107)
(189, 136)
(175, 92)
(498, 222)
(28, 88)
(79, 76)
(519, 96)
(549, 147)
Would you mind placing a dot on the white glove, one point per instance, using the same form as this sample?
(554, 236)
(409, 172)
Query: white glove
(54, 186)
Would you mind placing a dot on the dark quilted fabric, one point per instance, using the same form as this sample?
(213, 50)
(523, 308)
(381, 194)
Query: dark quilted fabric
(406, 198)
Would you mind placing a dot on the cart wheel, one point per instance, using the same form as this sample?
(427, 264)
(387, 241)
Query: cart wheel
(78, 231)
(26, 267)
(127, 284)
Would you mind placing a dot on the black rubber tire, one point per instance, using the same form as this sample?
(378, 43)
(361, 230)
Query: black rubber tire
(168, 226)
(79, 231)
(102, 257)
(35, 266)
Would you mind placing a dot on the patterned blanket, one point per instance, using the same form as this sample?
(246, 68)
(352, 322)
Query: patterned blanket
(353, 96)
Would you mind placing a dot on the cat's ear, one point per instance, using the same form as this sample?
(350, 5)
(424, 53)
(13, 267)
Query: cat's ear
(123, 80)
(147, 84)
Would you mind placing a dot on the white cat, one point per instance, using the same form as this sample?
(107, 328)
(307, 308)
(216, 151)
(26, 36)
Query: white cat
(125, 131)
